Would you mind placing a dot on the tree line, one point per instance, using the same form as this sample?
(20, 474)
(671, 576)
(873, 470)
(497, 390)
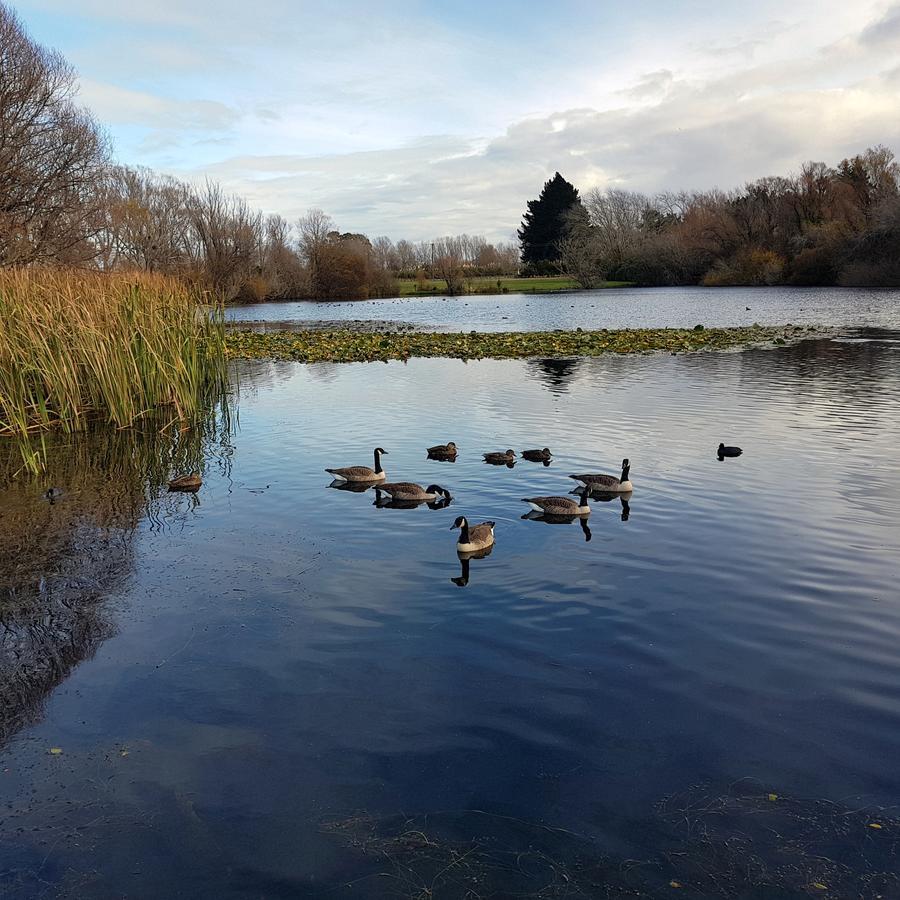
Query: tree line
(64, 202)
(822, 226)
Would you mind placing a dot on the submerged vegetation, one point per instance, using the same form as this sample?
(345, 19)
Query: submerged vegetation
(352, 346)
(82, 347)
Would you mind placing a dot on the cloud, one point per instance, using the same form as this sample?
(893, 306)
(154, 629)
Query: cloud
(418, 119)
(687, 134)
(112, 103)
(884, 31)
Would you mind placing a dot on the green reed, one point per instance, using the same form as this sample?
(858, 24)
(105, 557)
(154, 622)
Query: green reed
(82, 347)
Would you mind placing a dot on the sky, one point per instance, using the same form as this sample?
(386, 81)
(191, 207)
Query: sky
(418, 119)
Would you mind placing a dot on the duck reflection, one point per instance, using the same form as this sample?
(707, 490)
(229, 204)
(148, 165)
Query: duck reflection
(462, 579)
(549, 519)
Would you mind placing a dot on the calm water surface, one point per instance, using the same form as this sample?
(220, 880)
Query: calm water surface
(608, 308)
(277, 689)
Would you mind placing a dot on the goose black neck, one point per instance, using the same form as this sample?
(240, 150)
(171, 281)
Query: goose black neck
(584, 495)
(464, 532)
(625, 470)
(378, 469)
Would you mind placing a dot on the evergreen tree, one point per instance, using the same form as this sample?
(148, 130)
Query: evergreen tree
(544, 222)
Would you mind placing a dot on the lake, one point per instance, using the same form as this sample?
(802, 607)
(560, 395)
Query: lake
(668, 307)
(279, 689)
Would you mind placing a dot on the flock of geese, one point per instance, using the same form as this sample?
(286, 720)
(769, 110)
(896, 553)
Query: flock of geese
(477, 539)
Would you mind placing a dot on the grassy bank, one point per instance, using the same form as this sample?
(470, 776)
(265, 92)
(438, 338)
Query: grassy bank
(350, 346)
(491, 285)
(81, 347)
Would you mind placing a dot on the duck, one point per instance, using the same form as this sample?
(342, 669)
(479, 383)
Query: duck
(501, 459)
(473, 538)
(728, 451)
(561, 506)
(186, 483)
(538, 455)
(361, 473)
(407, 490)
(442, 450)
(608, 483)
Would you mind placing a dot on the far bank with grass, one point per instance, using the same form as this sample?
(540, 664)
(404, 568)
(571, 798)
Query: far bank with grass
(489, 284)
(353, 346)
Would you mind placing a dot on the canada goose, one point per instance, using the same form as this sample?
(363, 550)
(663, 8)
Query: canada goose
(537, 455)
(561, 506)
(501, 459)
(728, 451)
(442, 450)
(186, 483)
(473, 537)
(406, 490)
(608, 483)
(361, 473)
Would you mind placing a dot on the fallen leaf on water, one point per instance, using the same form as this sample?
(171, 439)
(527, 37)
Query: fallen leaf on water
(773, 797)
(874, 825)
(675, 884)
(819, 886)
(56, 751)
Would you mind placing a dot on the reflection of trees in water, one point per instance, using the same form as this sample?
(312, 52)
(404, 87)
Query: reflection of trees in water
(66, 542)
(861, 371)
(554, 373)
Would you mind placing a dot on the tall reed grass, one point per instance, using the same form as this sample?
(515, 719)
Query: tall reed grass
(80, 347)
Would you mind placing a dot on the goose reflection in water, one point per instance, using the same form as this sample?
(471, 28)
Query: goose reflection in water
(607, 497)
(550, 519)
(354, 487)
(383, 502)
(462, 579)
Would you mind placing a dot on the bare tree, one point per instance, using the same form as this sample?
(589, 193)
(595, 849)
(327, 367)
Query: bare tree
(450, 255)
(579, 248)
(52, 155)
(228, 235)
(618, 217)
(147, 221)
(314, 229)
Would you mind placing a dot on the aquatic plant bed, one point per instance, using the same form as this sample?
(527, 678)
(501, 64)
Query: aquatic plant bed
(353, 346)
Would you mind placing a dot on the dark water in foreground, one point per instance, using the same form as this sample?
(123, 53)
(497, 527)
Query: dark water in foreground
(276, 689)
(682, 307)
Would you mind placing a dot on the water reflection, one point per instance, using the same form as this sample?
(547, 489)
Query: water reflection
(65, 548)
(353, 487)
(462, 579)
(385, 501)
(556, 374)
(550, 519)
(285, 674)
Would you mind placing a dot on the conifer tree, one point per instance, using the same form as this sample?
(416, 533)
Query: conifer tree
(544, 222)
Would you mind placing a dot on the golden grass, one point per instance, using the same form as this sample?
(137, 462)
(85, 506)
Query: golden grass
(79, 347)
